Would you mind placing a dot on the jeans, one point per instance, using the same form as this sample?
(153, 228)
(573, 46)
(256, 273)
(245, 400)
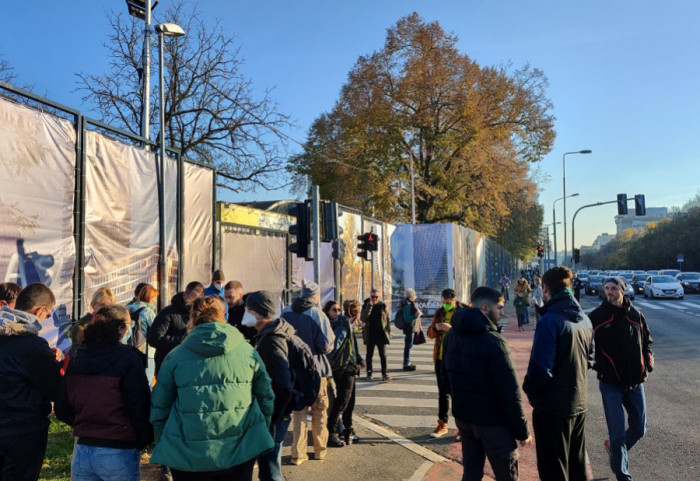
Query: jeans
(408, 344)
(370, 354)
(497, 443)
(615, 402)
(345, 388)
(21, 456)
(443, 394)
(270, 463)
(94, 463)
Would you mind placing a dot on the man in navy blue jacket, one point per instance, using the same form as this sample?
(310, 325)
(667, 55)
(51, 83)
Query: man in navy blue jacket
(556, 382)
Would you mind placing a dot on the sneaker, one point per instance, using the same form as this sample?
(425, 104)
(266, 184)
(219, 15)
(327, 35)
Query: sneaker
(606, 444)
(369, 376)
(350, 437)
(298, 461)
(440, 430)
(386, 379)
(458, 436)
(409, 367)
(335, 442)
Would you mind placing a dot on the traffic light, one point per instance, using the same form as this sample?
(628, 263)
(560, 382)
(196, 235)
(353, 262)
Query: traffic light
(639, 205)
(302, 229)
(577, 256)
(329, 221)
(540, 250)
(369, 242)
(621, 204)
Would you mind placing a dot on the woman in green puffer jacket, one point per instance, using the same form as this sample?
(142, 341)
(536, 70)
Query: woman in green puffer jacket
(213, 401)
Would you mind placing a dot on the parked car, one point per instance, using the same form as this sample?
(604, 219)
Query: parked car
(690, 281)
(663, 286)
(669, 272)
(593, 285)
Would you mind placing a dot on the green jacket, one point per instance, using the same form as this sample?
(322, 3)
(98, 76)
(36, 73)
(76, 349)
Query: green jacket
(212, 403)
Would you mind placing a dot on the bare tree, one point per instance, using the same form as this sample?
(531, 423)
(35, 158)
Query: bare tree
(7, 73)
(211, 112)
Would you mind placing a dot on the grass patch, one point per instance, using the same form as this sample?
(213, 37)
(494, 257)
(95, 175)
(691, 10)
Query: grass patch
(58, 452)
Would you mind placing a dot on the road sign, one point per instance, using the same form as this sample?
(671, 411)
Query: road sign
(680, 258)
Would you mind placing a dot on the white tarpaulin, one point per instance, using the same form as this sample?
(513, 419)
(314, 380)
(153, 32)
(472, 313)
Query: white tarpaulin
(37, 155)
(198, 229)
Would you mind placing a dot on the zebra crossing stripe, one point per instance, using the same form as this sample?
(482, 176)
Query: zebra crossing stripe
(690, 304)
(414, 421)
(395, 401)
(648, 305)
(396, 387)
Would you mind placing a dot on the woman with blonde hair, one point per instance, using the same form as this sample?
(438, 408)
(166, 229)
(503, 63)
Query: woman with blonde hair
(213, 402)
(100, 298)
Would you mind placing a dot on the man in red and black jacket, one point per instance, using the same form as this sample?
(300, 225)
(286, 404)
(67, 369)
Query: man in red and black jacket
(623, 359)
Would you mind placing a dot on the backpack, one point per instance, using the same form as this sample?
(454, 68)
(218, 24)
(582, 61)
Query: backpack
(345, 352)
(137, 339)
(306, 378)
(399, 320)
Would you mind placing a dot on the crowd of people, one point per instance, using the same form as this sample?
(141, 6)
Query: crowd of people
(217, 377)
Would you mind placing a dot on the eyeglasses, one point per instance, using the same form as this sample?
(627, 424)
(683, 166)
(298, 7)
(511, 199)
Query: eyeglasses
(374, 297)
(335, 309)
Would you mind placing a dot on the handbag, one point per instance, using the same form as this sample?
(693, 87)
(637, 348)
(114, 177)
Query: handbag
(419, 337)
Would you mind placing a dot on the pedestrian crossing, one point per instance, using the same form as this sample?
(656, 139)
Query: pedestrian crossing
(685, 305)
(410, 401)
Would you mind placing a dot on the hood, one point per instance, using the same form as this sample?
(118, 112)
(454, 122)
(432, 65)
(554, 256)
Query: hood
(302, 304)
(18, 323)
(178, 301)
(471, 321)
(213, 339)
(97, 359)
(564, 304)
(278, 327)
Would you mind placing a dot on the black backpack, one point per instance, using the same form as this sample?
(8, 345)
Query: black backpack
(399, 321)
(137, 339)
(306, 378)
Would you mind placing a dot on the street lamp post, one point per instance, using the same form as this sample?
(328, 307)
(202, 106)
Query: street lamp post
(554, 221)
(163, 30)
(564, 189)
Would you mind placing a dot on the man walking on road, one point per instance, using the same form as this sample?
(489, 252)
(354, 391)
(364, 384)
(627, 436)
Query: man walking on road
(376, 329)
(556, 382)
(486, 400)
(505, 284)
(623, 359)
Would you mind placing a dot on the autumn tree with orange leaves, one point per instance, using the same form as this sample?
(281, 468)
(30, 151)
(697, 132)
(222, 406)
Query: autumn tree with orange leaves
(470, 132)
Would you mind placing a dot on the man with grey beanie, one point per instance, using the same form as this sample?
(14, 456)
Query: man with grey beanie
(623, 360)
(314, 328)
(273, 334)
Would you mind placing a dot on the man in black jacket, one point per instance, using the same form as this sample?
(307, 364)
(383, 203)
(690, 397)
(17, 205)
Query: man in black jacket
(556, 382)
(260, 311)
(30, 377)
(486, 400)
(169, 327)
(623, 359)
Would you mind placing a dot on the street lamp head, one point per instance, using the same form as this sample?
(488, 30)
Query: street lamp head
(574, 195)
(585, 151)
(169, 30)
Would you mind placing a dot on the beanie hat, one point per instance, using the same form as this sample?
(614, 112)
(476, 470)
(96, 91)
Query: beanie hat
(618, 281)
(309, 289)
(262, 303)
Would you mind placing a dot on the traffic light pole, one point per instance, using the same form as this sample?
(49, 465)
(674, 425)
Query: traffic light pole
(574, 220)
(316, 233)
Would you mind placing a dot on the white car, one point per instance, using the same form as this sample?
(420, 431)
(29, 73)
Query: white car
(663, 286)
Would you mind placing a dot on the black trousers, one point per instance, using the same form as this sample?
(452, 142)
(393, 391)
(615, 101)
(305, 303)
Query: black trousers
(561, 446)
(370, 354)
(344, 401)
(21, 456)
(443, 394)
(240, 472)
(497, 443)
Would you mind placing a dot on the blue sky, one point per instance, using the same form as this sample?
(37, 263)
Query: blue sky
(624, 75)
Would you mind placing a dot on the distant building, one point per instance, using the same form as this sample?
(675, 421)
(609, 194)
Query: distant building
(601, 240)
(631, 221)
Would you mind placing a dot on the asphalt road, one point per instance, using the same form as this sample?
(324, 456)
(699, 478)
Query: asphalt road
(671, 448)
